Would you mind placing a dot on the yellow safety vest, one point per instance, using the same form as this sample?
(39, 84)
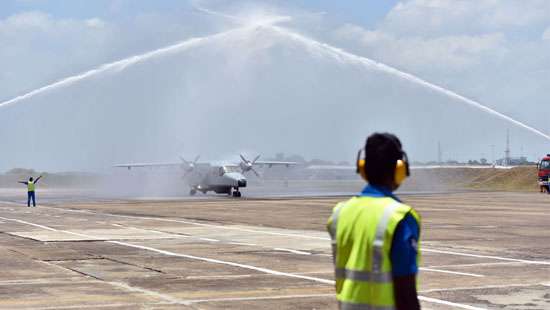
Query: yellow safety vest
(30, 186)
(362, 230)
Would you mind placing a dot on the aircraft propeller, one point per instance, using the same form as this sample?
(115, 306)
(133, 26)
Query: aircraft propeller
(189, 166)
(247, 165)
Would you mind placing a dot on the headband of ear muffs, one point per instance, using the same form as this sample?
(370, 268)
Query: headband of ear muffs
(401, 167)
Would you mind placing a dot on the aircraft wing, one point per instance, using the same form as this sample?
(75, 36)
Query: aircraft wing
(275, 163)
(330, 167)
(148, 165)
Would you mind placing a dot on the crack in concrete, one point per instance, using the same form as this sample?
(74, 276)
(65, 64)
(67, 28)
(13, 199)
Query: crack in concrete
(134, 265)
(164, 297)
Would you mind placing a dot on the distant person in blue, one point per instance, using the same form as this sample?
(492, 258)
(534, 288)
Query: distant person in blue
(31, 186)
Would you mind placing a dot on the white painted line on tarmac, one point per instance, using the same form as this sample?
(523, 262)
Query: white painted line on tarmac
(91, 306)
(169, 253)
(114, 305)
(303, 236)
(448, 303)
(452, 272)
(481, 287)
(293, 251)
(236, 276)
(48, 281)
(28, 223)
(250, 275)
(194, 301)
(478, 264)
(217, 261)
(426, 299)
(164, 297)
(242, 243)
(209, 239)
(287, 235)
(290, 235)
(330, 271)
(486, 256)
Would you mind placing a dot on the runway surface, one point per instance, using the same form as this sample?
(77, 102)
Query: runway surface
(480, 251)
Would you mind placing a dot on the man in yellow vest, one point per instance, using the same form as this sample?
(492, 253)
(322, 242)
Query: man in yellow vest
(31, 184)
(375, 236)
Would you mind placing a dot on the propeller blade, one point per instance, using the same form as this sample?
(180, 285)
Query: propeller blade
(255, 172)
(184, 161)
(255, 159)
(196, 159)
(244, 159)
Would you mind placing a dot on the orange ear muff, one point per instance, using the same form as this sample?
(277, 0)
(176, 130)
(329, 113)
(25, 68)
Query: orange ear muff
(401, 171)
(401, 168)
(360, 165)
(361, 169)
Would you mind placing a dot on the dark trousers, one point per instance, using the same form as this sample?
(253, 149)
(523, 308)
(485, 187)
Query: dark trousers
(29, 196)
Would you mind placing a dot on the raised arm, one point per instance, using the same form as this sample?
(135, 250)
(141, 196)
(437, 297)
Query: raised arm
(23, 182)
(36, 181)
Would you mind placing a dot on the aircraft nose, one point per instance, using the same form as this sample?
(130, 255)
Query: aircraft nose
(236, 179)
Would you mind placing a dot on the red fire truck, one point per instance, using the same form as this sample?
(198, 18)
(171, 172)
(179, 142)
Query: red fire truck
(544, 174)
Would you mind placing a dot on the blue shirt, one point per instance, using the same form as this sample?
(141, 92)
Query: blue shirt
(404, 245)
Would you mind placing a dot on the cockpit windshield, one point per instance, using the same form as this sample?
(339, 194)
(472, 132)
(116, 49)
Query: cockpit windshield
(545, 164)
(228, 169)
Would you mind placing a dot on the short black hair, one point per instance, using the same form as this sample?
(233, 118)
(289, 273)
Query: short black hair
(382, 150)
(30, 179)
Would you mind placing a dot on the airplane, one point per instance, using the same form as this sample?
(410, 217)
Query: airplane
(205, 177)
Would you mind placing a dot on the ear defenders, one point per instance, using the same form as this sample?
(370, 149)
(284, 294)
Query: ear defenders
(401, 167)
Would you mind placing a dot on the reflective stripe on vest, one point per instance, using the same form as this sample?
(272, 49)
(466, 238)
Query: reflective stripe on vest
(365, 276)
(30, 186)
(379, 237)
(350, 306)
(362, 231)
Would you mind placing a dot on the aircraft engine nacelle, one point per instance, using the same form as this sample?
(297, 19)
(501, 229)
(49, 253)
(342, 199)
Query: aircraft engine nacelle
(245, 167)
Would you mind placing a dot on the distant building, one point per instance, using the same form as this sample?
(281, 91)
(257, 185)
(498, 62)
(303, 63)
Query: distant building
(512, 161)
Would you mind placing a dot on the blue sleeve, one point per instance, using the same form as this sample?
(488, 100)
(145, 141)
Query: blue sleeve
(404, 247)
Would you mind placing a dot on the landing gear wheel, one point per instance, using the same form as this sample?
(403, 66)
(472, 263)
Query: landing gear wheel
(237, 194)
(192, 192)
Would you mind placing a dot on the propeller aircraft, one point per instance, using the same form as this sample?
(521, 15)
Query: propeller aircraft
(205, 177)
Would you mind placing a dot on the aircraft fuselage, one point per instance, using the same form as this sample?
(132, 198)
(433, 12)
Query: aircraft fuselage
(219, 179)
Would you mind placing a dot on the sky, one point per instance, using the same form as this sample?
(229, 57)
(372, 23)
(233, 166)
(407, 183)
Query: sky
(256, 90)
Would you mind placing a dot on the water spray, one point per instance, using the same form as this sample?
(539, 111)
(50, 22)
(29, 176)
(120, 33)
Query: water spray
(341, 55)
(268, 22)
(120, 65)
